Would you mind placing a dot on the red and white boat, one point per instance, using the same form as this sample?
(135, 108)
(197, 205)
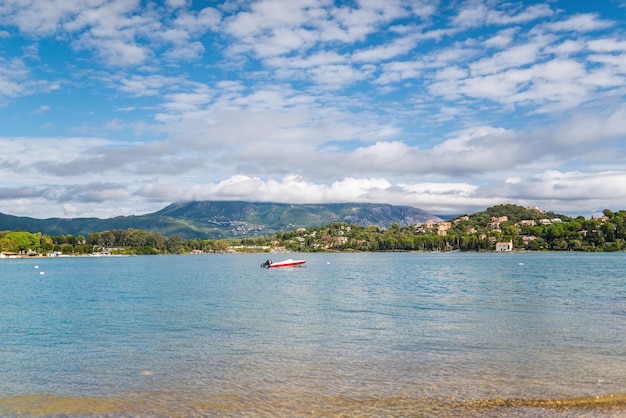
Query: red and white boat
(269, 264)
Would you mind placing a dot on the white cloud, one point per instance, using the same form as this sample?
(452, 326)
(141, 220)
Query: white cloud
(42, 109)
(531, 13)
(117, 52)
(9, 80)
(176, 4)
(580, 23)
(385, 52)
(39, 18)
(17, 80)
(273, 27)
(270, 27)
(475, 13)
(383, 154)
(597, 129)
(140, 85)
(399, 71)
(159, 191)
(120, 32)
(566, 48)
(181, 103)
(515, 56)
(521, 75)
(502, 39)
(354, 24)
(338, 76)
(552, 190)
(289, 189)
(198, 23)
(606, 45)
(561, 191)
(317, 59)
(618, 62)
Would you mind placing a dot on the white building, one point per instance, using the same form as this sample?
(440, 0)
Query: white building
(504, 246)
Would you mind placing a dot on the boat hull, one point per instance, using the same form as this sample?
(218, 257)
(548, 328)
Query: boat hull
(284, 263)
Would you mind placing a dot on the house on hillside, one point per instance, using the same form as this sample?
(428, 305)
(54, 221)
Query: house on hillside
(442, 228)
(504, 246)
(497, 220)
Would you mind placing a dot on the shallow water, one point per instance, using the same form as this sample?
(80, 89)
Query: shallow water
(349, 334)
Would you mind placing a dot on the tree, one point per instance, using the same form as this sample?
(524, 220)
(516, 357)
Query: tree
(20, 242)
(108, 239)
(67, 248)
(407, 243)
(71, 239)
(175, 244)
(608, 213)
(608, 229)
(219, 246)
(95, 239)
(537, 244)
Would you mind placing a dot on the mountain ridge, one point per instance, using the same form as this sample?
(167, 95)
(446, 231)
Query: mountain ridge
(228, 219)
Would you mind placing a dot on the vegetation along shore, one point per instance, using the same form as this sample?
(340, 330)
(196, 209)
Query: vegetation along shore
(499, 228)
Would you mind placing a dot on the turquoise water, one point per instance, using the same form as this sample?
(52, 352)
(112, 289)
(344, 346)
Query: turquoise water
(425, 334)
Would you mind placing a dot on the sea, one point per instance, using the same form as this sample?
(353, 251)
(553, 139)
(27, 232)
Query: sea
(348, 335)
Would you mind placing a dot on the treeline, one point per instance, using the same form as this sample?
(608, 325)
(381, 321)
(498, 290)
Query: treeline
(123, 242)
(525, 228)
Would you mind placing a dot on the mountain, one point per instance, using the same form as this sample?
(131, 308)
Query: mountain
(226, 219)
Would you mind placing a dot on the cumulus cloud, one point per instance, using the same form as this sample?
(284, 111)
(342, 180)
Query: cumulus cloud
(17, 80)
(121, 32)
(561, 191)
(289, 189)
(586, 22)
(475, 13)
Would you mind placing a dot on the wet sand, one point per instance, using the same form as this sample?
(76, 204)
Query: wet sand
(185, 405)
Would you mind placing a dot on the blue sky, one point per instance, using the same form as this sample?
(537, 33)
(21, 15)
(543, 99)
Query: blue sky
(120, 107)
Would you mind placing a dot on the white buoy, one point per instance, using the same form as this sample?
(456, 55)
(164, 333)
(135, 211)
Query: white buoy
(520, 264)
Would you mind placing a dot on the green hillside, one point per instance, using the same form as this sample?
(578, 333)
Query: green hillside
(222, 219)
(514, 213)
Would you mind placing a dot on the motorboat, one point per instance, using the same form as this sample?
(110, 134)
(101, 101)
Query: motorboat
(269, 264)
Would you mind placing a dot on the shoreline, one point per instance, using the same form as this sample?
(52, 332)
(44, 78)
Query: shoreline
(13, 256)
(169, 403)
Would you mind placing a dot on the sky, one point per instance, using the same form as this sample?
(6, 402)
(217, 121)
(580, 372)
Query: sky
(121, 107)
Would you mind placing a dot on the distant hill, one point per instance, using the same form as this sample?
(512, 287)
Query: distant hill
(224, 219)
(514, 213)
